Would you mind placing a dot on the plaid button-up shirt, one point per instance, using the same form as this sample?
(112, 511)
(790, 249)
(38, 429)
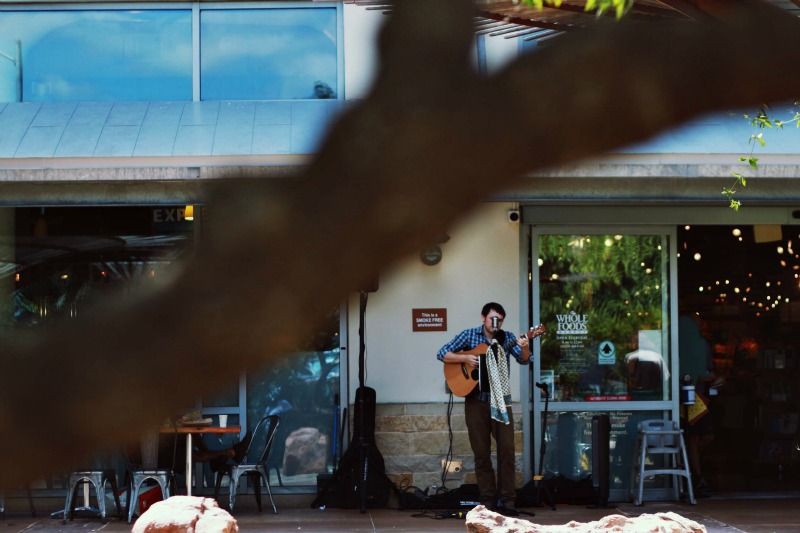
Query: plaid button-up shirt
(472, 337)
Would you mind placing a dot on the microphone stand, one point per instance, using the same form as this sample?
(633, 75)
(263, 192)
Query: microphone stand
(539, 478)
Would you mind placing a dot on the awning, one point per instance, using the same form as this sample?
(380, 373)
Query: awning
(35, 130)
(514, 19)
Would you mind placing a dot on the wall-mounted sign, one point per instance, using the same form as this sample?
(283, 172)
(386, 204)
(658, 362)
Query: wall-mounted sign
(429, 319)
(169, 214)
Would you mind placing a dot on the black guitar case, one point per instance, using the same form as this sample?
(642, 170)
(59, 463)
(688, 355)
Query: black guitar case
(360, 479)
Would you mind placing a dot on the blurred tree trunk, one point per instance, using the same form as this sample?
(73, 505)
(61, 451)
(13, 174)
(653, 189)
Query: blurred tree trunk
(431, 140)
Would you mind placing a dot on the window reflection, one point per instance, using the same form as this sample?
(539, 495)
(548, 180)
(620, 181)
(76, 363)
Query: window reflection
(60, 260)
(55, 263)
(568, 458)
(264, 54)
(303, 389)
(97, 55)
(602, 297)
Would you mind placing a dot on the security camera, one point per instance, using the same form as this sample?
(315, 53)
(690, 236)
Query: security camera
(513, 215)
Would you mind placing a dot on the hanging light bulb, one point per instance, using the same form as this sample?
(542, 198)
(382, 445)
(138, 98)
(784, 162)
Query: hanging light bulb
(736, 232)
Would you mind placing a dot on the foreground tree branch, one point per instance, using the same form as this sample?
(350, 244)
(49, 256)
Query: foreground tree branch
(430, 141)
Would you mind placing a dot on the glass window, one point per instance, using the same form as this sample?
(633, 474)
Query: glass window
(265, 54)
(568, 456)
(96, 55)
(303, 389)
(604, 300)
(56, 262)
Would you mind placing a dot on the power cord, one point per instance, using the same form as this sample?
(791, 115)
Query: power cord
(441, 515)
(449, 457)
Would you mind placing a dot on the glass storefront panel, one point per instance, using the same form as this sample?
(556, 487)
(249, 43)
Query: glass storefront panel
(568, 454)
(95, 55)
(604, 301)
(268, 54)
(55, 263)
(303, 389)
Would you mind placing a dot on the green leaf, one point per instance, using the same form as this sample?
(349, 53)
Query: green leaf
(735, 205)
(753, 162)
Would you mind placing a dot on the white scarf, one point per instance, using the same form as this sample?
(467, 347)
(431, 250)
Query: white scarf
(499, 388)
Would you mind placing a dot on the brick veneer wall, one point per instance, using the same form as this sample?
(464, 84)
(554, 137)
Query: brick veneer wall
(413, 439)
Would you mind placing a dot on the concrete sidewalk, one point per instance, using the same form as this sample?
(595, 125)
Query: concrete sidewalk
(717, 514)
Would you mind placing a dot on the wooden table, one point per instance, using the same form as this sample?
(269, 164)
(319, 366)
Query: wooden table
(189, 431)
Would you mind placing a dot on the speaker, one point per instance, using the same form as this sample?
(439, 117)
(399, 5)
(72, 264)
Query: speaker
(601, 437)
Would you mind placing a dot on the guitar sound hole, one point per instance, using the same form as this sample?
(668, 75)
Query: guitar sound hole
(474, 374)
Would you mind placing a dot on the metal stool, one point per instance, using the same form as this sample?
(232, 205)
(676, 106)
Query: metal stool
(98, 478)
(660, 437)
(164, 479)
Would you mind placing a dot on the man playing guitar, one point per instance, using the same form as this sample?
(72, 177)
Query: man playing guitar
(487, 406)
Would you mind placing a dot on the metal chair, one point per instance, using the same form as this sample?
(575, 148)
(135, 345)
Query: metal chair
(98, 479)
(660, 437)
(254, 463)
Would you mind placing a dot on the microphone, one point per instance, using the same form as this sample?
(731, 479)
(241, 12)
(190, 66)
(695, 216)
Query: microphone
(495, 321)
(542, 386)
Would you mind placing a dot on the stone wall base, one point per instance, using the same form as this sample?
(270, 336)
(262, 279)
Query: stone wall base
(414, 439)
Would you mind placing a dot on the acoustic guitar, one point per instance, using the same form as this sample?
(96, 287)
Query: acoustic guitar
(462, 378)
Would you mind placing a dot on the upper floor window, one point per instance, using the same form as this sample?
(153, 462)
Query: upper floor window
(91, 55)
(264, 54)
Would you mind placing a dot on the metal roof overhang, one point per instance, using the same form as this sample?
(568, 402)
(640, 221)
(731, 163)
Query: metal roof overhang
(640, 179)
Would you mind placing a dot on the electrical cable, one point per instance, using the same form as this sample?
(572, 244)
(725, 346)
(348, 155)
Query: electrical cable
(449, 457)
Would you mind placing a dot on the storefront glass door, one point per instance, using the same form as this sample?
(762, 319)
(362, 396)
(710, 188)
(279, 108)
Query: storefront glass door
(605, 295)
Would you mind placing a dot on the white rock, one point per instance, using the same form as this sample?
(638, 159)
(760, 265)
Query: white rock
(186, 514)
(482, 520)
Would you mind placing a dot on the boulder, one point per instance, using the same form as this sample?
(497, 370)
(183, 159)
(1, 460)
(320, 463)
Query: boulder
(306, 452)
(482, 520)
(186, 514)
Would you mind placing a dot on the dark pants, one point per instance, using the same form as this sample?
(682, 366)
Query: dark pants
(481, 428)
